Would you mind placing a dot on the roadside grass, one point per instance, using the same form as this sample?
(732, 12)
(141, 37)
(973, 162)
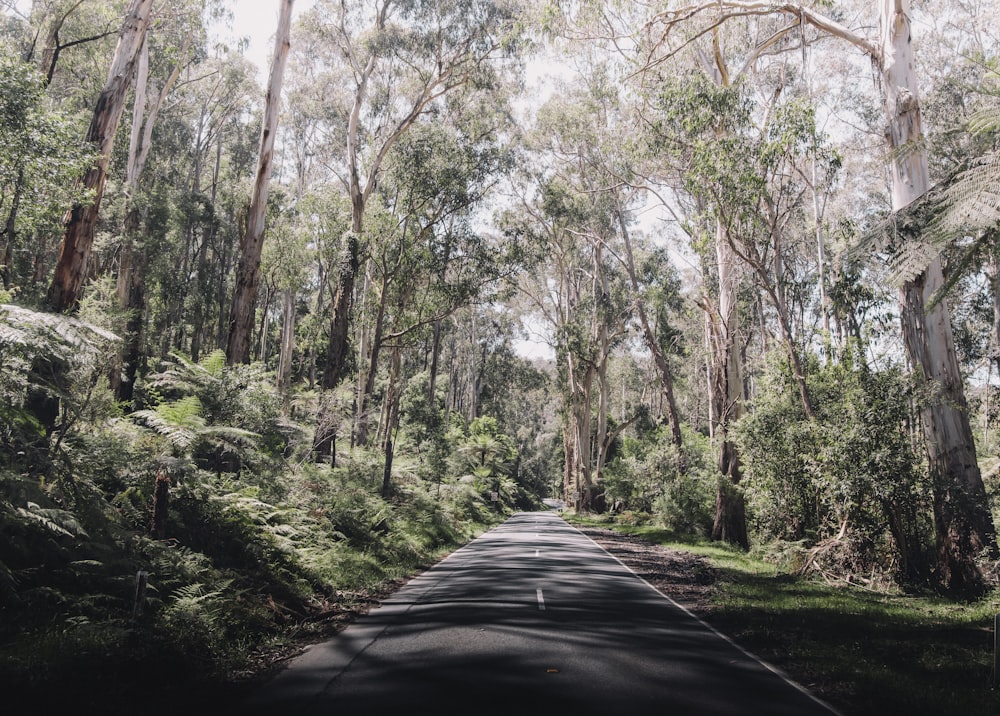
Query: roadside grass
(863, 652)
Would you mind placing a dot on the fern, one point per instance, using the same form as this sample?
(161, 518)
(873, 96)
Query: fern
(971, 203)
(53, 334)
(964, 205)
(56, 521)
(194, 595)
(28, 336)
(214, 363)
(179, 421)
(184, 376)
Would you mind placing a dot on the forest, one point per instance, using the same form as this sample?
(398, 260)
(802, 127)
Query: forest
(275, 337)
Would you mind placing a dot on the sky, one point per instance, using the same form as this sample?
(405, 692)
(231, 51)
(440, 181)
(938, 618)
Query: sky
(257, 20)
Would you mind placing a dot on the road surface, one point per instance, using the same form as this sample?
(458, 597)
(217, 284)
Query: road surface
(531, 618)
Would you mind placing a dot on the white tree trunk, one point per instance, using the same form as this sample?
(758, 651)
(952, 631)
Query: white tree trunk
(81, 220)
(251, 245)
(727, 395)
(964, 525)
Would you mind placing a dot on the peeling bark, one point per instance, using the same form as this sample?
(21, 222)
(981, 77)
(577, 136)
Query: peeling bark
(241, 317)
(81, 221)
(963, 522)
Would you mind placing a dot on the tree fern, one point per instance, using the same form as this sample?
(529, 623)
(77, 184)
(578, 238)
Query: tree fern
(58, 522)
(179, 421)
(26, 336)
(964, 205)
(55, 334)
(185, 376)
(182, 424)
(972, 202)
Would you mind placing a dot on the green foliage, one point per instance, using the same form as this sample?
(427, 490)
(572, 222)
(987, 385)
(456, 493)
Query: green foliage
(41, 157)
(852, 468)
(48, 364)
(649, 477)
(864, 651)
(216, 413)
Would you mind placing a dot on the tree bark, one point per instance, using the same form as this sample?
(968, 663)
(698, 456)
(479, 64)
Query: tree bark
(241, 318)
(161, 505)
(81, 221)
(727, 397)
(132, 297)
(284, 378)
(337, 346)
(391, 418)
(366, 387)
(10, 231)
(963, 522)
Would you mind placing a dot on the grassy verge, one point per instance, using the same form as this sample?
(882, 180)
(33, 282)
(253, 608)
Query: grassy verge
(861, 651)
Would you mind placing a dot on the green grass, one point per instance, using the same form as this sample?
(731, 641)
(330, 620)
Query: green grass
(865, 653)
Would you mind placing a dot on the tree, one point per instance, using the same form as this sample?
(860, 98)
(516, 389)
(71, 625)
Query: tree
(81, 221)
(40, 159)
(241, 318)
(964, 525)
(701, 121)
(962, 518)
(149, 101)
(437, 46)
(400, 61)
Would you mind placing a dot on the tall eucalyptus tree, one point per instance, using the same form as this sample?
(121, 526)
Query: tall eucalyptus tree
(150, 95)
(584, 293)
(400, 58)
(241, 318)
(964, 525)
(389, 64)
(81, 220)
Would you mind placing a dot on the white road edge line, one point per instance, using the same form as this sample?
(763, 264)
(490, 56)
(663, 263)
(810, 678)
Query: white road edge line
(541, 600)
(770, 667)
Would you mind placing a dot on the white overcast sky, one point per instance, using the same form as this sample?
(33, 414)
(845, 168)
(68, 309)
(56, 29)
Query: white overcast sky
(257, 20)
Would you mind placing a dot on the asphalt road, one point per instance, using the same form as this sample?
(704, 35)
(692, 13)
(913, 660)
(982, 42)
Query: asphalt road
(531, 618)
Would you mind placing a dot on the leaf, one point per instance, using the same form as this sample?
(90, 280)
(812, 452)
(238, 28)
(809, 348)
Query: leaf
(57, 521)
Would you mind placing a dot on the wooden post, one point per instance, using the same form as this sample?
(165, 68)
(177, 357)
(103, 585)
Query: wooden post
(996, 650)
(139, 603)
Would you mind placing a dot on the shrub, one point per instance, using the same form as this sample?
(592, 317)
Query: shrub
(848, 476)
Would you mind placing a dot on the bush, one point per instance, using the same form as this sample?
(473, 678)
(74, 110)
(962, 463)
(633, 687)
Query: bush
(676, 489)
(850, 475)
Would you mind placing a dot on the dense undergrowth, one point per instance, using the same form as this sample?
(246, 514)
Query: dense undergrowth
(153, 557)
(168, 553)
(246, 572)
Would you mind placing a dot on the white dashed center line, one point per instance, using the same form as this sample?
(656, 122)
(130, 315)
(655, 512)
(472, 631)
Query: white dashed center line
(541, 600)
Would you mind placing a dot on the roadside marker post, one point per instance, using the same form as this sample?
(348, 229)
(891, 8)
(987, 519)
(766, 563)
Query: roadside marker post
(996, 650)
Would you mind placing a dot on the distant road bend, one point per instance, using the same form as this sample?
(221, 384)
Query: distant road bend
(531, 618)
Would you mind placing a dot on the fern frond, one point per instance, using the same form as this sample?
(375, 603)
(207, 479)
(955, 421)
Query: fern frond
(184, 413)
(230, 439)
(910, 260)
(214, 363)
(971, 203)
(179, 421)
(966, 204)
(985, 120)
(193, 593)
(57, 521)
(54, 334)
(182, 376)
